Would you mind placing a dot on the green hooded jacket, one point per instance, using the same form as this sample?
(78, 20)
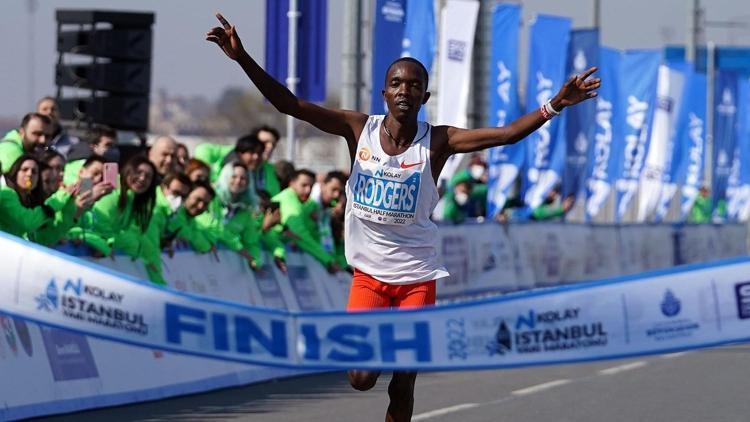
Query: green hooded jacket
(296, 218)
(11, 147)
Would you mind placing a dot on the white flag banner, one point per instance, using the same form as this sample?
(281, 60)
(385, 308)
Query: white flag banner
(458, 22)
(669, 88)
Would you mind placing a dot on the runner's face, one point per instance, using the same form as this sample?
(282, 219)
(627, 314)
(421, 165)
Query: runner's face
(405, 89)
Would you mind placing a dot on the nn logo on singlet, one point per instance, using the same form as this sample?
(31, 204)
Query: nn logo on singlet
(387, 194)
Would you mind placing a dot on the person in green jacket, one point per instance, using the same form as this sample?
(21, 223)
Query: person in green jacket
(170, 195)
(183, 226)
(197, 171)
(702, 208)
(248, 150)
(267, 219)
(269, 136)
(465, 200)
(320, 207)
(55, 168)
(231, 216)
(83, 231)
(102, 142)
(22, 207)
(552, 207)
(124, 216)
(297, 219)
(33, 136)
(55, 232)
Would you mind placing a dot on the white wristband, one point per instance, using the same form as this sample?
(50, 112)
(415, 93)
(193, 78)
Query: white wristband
(548, 107)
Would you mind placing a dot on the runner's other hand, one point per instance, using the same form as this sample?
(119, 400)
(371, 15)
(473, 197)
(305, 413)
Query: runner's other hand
(226, 38)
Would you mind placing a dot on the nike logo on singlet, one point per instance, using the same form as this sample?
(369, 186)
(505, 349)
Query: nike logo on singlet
(408, 166)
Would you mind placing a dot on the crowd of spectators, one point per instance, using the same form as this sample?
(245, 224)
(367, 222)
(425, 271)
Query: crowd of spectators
(60, 191)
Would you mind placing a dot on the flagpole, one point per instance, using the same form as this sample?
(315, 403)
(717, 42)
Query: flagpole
(711, 82)
(291, 80)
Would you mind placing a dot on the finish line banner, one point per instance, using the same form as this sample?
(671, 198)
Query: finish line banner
(692, 307)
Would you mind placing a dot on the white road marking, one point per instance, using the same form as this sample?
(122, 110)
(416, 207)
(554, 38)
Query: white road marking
(540, 387)
(443, 411)
(674, 355)
(622, 368)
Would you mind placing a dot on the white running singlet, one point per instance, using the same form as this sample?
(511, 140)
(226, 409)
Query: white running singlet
(389, 234)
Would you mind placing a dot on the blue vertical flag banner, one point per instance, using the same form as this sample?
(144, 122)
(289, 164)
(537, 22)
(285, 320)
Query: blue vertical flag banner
(725, 133)
(311, 46)
(654, 187)
(504, 162)
(638, 76)
(599, 174)
(579, 121)
(545, 148)
(738, 189)
(688, 148)
(387, 36)
(419, 39)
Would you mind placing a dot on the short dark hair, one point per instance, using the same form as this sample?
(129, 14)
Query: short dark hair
(180, 177)
(249, 143)
(425, 73)
(265, 128)
(204, 185)
(50, 155)
(335, 174)
(303, 172)
(94, 159)
(97, 133)
(284, 172)
(34, 115)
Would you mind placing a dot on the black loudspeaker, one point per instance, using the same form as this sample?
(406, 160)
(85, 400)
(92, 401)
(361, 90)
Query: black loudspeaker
(120, 112)
(105, 57)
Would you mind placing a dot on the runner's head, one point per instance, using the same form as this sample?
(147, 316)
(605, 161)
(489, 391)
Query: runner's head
(405, 88)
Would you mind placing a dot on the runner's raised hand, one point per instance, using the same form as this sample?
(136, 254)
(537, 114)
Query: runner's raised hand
(226, 38)
(578, 88)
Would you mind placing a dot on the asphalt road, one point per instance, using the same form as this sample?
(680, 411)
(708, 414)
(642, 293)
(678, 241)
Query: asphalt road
(710, 385)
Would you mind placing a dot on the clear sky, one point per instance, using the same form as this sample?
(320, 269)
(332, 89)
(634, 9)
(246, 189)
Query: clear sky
(185, 64)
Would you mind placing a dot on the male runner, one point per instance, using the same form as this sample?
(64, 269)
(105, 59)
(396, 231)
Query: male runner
(390, 240)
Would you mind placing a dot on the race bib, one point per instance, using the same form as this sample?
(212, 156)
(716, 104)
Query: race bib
(386, 195)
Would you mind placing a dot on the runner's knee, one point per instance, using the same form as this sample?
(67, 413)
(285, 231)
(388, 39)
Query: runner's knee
(362, 380)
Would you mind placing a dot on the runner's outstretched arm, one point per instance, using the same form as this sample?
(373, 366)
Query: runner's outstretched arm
(345, 123)
(574, 91)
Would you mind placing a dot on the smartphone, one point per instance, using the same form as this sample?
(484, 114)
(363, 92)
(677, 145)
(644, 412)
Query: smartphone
(111, 171)
(86, 185)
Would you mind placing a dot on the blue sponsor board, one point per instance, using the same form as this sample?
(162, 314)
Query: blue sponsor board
(742, 293)
(69, 355)
(673, 328)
